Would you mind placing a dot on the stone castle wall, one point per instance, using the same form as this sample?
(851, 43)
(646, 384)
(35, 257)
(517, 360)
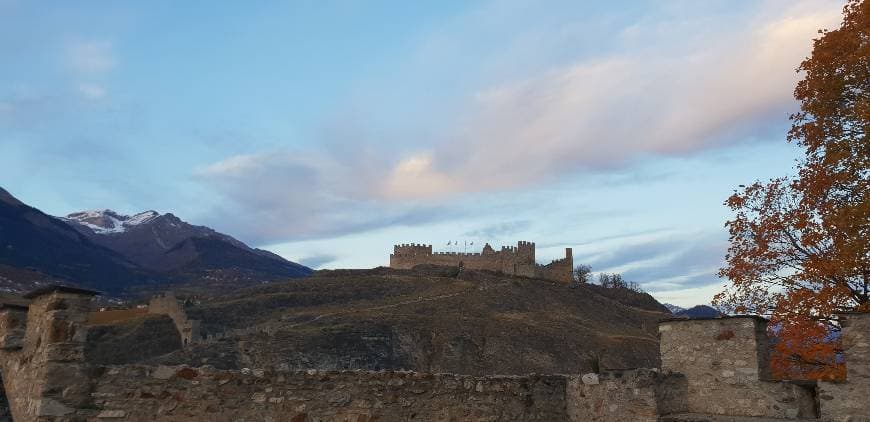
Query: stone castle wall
(518, 260)
(168, 304)
(842, 400)
(140, 393)
(726, 365)
(712, 367)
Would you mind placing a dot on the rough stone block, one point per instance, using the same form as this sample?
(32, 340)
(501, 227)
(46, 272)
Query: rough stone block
(112, 414)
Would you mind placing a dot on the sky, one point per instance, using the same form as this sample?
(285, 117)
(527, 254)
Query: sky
(327, 131)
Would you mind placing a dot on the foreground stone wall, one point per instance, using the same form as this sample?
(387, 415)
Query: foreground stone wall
(179, 393)
(712, 367)
(850, 400)
(638, 395)
(725, 362)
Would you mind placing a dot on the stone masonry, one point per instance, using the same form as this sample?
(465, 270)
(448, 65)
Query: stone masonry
(43, 370)
(168, 304)
(713, 370)
(518, 260)
(725, 362)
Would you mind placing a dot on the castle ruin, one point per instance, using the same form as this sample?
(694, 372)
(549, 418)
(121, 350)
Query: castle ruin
(168, 304)
(513, 260)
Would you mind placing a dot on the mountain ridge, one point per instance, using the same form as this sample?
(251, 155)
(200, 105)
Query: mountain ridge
(150, 246)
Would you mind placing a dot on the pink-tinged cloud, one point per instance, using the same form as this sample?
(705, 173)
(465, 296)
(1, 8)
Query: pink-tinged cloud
(602, 113)
(595, 114)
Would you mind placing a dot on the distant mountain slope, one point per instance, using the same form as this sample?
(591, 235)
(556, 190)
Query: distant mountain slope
(116, 253)
(673, 308)
(47, 248)
(164, 243)
(700, 311)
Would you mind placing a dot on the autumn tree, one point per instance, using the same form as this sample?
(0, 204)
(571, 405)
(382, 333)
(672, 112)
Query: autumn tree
(799, 245)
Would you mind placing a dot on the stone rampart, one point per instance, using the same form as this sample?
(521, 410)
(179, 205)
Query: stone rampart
(168, 304)
(141, 393)
(518, 260)
(638, 395)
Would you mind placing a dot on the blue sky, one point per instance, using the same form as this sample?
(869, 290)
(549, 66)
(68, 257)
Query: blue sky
(327, 131)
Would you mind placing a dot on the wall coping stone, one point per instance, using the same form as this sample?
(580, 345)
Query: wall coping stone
(726, 317)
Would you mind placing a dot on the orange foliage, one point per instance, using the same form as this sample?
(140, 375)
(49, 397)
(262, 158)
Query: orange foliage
(799, 246)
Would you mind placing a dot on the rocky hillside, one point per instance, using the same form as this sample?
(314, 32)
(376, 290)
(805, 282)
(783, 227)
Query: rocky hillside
(428, 320)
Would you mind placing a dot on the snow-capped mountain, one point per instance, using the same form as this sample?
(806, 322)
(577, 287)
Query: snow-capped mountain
(699, 311)
(165, 243)
(36, 248)
(108, 221)
(674, 308)
(119, 254)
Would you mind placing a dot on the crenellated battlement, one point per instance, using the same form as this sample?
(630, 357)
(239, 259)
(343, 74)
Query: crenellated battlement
(514, 260)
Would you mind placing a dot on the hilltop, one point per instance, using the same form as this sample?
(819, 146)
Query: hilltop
(427, 319)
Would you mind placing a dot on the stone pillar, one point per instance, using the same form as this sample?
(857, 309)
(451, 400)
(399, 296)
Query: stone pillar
(47, 377)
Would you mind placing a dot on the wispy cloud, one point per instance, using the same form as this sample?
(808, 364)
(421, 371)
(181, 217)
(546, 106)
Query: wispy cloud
(604, 112)
(598, 113)
(317, 261)
(91, 57)
(90, 61)
(667, 262)
(500, 230)
(280, 195)
(92, 91)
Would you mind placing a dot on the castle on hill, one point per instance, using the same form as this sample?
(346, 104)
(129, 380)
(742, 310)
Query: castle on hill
(513, 260)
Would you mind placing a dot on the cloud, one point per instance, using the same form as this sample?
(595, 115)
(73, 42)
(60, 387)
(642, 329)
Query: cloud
(601, 113)
(317, 261)
(92, 91)
(605, 112)
(90, 60)
(669, 262)
(279, 195)
(91, 57)
(497, 231)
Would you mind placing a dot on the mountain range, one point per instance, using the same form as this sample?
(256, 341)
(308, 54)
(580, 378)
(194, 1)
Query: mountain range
(699, 311)
(118, 254)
